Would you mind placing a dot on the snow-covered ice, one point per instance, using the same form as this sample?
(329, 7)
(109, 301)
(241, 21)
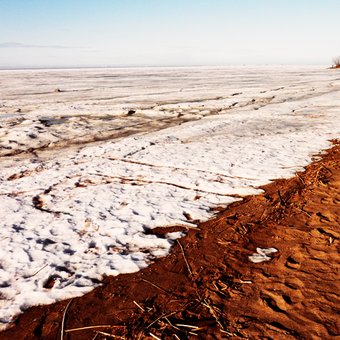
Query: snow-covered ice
(72, 211)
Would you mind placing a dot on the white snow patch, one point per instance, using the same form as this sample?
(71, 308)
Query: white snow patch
(262, 255)
(83, 214)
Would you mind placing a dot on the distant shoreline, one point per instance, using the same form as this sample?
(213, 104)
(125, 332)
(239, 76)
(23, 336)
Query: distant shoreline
(37, 68)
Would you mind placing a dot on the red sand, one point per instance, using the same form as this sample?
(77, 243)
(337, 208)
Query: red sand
(208, 288)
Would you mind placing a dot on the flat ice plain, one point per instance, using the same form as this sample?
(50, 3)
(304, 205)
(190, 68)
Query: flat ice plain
(91, 159)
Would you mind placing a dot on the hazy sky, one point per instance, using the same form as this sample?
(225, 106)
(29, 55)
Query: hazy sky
(167, 32)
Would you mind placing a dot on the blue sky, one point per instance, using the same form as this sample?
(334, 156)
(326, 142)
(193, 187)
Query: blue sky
(44, 33)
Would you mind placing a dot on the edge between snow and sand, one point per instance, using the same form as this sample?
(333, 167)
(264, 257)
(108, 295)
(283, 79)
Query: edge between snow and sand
(72, 220)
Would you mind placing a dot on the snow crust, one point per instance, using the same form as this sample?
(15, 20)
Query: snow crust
(72, 215)
(262, 255)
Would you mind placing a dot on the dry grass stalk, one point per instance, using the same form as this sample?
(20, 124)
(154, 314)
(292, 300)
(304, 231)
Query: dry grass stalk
(301, 179)
(63, 320)
(156, 286)
(228, 333)
(171, 325)
(161, 317)
(154, 336)
(214, 284)
(192, 333)
(95, 336)
(324, 166)
(39, 270)
(220, 290)
(244, 229)
(213, 313)
(222, 242)
(303, 211)
(221, 283)
(185, 259)
(188, 326)
(246, 281)
(139, 306)
(111, 335)
(87, 327)
(282, 202)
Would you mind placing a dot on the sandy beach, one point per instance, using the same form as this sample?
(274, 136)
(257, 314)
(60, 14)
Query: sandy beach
(169, 170)
(209, 288)
(169, 203)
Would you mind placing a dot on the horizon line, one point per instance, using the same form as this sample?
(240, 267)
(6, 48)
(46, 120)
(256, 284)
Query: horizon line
(57, 67)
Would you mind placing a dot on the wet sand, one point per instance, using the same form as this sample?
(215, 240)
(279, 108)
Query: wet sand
(208, 288)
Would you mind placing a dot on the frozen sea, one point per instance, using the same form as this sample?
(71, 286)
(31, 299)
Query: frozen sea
(92, 159)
